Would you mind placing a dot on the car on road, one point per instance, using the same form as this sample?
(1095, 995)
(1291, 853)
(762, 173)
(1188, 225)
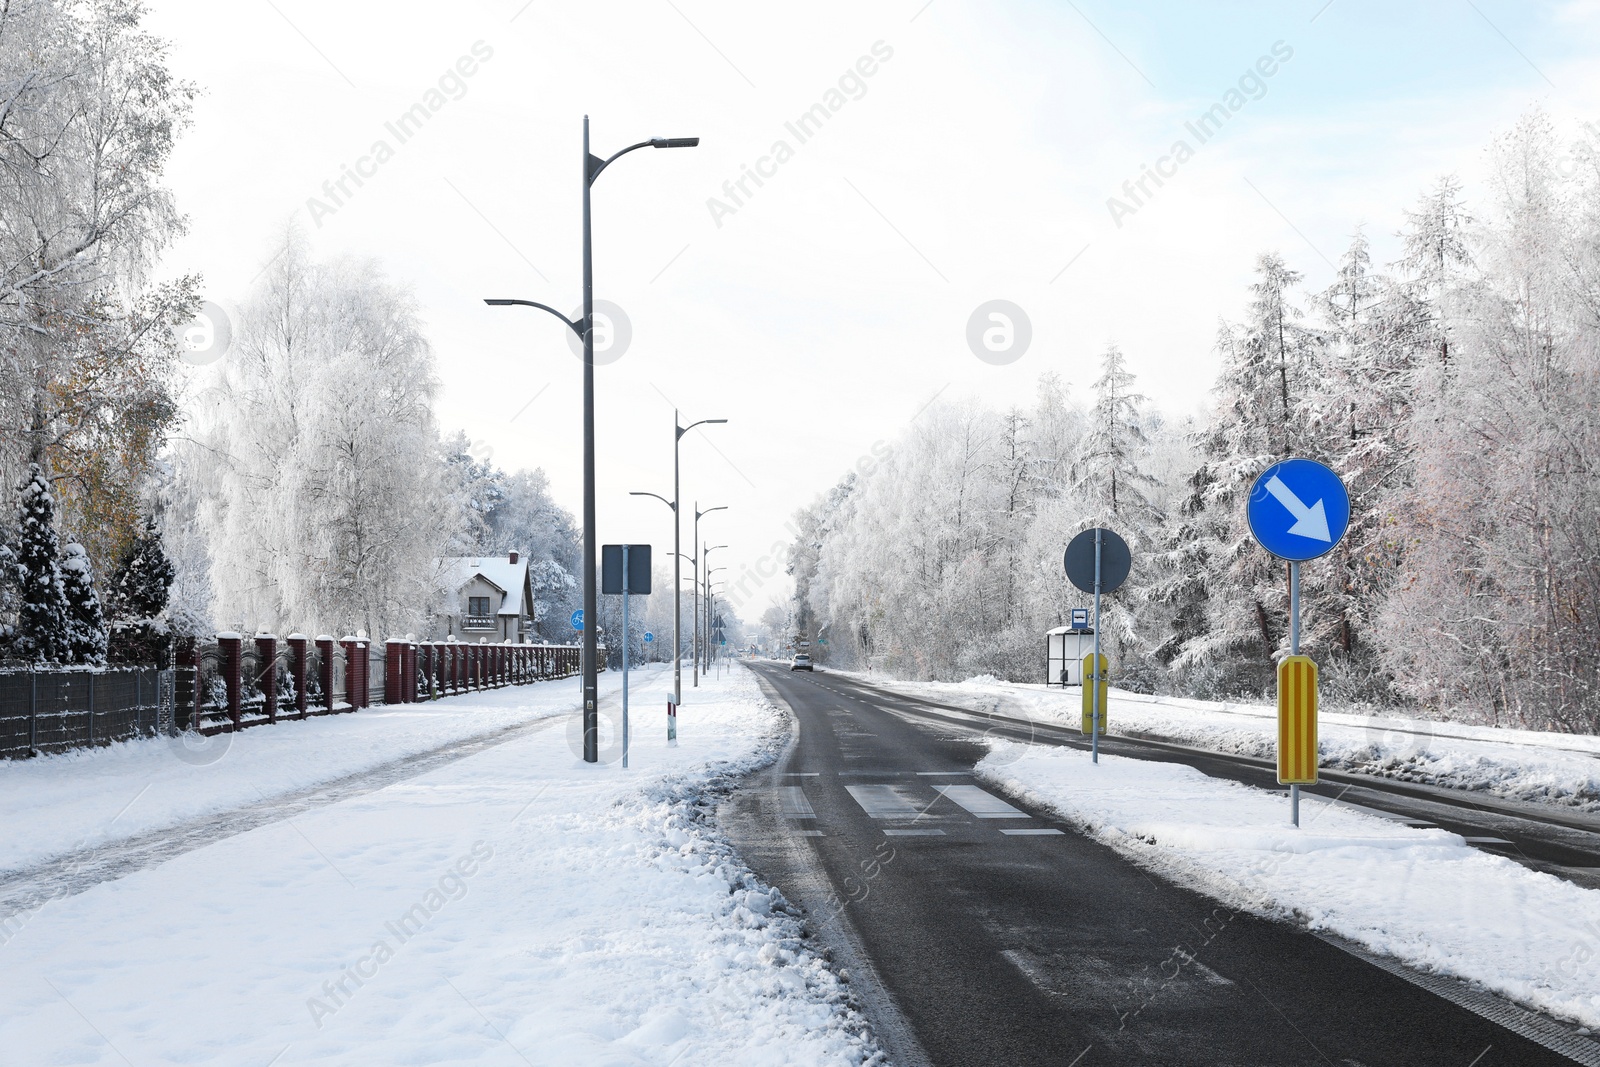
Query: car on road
(801, 662)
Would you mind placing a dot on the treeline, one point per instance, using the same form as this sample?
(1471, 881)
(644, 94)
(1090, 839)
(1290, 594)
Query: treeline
(1456, 391)
(301, 482)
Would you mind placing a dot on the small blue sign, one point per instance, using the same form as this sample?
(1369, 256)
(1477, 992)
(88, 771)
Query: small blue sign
(649, 637)
(577, 620)
(1298, 509)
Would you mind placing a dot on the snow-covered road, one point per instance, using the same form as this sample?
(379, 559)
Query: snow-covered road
(505, 905)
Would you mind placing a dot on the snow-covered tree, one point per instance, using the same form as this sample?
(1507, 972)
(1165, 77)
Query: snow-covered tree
(86, 624)
(43, 628)
(138, 597)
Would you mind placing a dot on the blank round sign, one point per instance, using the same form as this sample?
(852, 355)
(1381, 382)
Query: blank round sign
(1115, 561)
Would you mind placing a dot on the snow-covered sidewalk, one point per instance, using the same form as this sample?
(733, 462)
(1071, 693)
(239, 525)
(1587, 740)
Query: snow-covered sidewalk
(514, 906)
(89, 797)
(1526, 765)
(1425, 897)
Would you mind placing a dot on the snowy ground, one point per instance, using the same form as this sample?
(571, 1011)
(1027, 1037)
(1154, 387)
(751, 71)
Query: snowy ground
(1390, 888)
(1516, 764)
(512, 907)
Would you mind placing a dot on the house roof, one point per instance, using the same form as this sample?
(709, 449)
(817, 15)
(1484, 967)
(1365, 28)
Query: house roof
(510, 578)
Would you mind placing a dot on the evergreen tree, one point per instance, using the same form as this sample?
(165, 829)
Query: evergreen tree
(42, 615)
(86, 623)
(138, 598)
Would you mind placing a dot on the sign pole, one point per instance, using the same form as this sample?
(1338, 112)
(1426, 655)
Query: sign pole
(626, 574)
(1094, 721)
(1294, 650)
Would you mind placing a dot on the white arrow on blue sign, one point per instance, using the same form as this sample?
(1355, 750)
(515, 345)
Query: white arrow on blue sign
(577, 619)
(1298, 509)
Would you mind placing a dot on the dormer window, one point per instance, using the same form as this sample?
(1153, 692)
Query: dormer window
(477, 605)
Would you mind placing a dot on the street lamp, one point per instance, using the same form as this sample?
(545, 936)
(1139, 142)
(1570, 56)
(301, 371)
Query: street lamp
(710, 628)
(697, 513)
(584, 328)
(705, 576)
(677, 551)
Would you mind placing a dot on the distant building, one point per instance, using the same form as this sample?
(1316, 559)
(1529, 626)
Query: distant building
(487, 597)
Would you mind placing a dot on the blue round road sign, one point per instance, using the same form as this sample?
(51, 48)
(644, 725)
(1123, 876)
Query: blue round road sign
(1298, 509)
(649, 637)
(577, 619)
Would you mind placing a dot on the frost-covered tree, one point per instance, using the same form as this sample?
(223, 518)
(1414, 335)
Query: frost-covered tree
(43, 628)
(86, 623)
(89, 115)
(137, 598)
(325, 495)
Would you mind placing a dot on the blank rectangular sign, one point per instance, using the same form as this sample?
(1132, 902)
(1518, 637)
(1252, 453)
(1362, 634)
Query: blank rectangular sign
(638, 569)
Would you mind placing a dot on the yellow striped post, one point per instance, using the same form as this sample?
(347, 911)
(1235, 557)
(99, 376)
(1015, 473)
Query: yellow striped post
(1090, 690)
(1297, 721)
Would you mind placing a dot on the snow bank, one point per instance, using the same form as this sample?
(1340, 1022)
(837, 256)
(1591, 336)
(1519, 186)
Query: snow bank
(1523, 765)
(1424, 897)
(517, 897)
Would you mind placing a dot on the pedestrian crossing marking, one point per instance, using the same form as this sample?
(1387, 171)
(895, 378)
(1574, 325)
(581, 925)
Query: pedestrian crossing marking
(983, 805)
(1030, 831)
(914, 833)
(794, 804)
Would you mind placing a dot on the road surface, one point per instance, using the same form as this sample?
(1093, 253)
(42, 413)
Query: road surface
(978, 930)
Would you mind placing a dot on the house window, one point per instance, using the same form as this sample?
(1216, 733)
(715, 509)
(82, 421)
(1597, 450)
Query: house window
(477, 605)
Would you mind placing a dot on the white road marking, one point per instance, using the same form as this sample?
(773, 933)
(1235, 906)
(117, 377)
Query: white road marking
(810, 833)
(884, 801)
(1486, 841)
(913, 833)
(982, 804)
(942, 774)
(794, 803)
(1030, 832)
(801, 774)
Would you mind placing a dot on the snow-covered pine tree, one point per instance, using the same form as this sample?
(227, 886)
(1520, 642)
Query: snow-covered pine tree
(86, 623)
(43, 627)
(137, 598)
(1269, 370)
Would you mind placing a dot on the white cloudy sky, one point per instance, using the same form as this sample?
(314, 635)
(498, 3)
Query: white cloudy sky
(827, 311)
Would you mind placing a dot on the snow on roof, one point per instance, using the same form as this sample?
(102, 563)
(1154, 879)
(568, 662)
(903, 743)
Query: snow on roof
(510, 578)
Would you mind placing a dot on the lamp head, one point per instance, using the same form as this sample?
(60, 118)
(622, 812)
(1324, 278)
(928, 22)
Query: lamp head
(674, 142)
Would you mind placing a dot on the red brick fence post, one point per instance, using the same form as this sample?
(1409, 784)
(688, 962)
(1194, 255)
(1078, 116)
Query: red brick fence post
(229, 656)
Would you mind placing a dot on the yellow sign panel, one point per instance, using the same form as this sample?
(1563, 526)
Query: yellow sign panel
(1089, 692)
(1297, 721)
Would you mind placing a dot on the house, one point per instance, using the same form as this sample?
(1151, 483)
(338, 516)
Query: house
(487, 597)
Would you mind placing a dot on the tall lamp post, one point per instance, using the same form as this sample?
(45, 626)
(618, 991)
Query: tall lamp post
(677, 551)
(584, 328)
(697, 514)
(705, 576)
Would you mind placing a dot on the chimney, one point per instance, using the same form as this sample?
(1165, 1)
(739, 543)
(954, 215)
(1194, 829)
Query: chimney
(513, 556)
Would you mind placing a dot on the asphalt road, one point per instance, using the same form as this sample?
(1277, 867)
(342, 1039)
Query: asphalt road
(1558, 841)
(971, 943)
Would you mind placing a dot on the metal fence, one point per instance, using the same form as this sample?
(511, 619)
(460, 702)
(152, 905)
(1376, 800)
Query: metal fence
(53, 711)
(232, 682)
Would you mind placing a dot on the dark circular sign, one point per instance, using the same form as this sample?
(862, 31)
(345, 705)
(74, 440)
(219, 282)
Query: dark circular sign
(1115, 561)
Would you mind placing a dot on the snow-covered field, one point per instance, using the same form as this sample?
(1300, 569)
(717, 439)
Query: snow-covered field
(1516, 764)
(1425, 897)
(512, 907)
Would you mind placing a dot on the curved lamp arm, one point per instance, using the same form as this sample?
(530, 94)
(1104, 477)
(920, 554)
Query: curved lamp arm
(659, 497)
(703, 422)
(576, 327)
(595, 164)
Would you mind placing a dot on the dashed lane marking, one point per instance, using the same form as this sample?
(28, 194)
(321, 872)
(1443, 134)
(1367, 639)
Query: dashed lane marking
(913, 833)
(1030, 832)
